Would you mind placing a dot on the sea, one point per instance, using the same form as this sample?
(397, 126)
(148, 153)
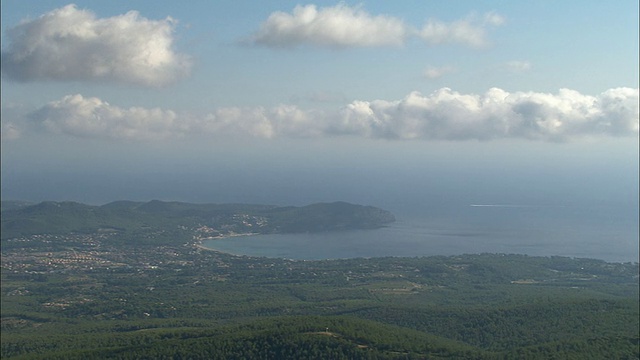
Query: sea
(575, 199)
(600, 232)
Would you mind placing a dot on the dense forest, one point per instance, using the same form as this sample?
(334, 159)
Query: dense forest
(84, 295)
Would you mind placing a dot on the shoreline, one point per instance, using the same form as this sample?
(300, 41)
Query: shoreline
(199, 243)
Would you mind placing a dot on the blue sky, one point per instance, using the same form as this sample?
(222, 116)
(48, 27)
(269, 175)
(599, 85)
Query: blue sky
(306, 95)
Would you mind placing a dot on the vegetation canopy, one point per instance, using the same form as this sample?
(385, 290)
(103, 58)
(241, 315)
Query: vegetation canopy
(129, 280)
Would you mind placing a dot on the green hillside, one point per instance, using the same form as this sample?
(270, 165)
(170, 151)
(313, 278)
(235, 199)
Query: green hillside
(178, 219)
(128, 280)
(180, 303)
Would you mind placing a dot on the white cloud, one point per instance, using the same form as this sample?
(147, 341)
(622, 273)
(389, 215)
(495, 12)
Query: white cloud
(434, 72)
(93, 118)
(442, 115)
(279, 121)
(343, 26)
(493, 18)
(471, 31)
(518, 66)
(337, 26)
(449, 115)
(69, 44)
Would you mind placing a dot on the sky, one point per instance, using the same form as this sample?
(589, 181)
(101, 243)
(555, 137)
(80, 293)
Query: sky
(377, 102)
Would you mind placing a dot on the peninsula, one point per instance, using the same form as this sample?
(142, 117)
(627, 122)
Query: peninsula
(160, 222)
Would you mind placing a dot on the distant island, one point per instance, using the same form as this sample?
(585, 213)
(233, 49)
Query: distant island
(173, 222)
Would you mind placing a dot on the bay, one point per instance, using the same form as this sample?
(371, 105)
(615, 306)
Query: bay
(600, 232)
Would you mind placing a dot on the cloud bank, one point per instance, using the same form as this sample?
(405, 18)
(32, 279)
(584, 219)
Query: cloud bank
(342, 26)
(69, 44)
(449, 115)
(442, 115)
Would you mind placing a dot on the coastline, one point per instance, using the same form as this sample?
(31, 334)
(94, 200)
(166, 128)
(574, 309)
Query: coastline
(199, 242)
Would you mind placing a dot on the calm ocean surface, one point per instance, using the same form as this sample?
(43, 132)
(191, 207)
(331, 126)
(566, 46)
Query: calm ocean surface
(599, 232)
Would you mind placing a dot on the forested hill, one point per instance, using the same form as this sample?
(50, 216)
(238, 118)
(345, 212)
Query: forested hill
(128, 288)
(176, 218)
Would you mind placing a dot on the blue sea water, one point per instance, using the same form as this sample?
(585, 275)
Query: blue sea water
(599, 232)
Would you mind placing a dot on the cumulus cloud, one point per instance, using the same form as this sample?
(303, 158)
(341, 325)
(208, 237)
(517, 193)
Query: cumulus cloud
(449, 115)
(279, 121)
(93, 118)
(442, 115)
(434, 72)
(70, 44)
(337, 26)
(343, 26)
(471, 31)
